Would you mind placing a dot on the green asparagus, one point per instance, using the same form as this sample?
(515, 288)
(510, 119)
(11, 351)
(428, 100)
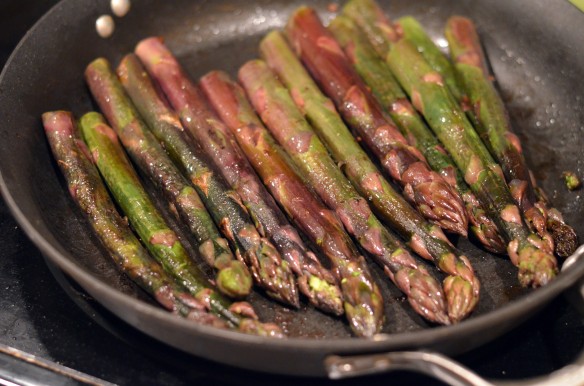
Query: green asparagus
(229, 102)
(90, 195)
(387, 90)
(431, 98)
(325, 60)
(389, 204)
(162, 242)
(493, 125)
(362, 300)
(233, 279)
(412, 31)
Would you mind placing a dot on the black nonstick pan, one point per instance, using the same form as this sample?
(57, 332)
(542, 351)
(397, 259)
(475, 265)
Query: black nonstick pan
(536, 48)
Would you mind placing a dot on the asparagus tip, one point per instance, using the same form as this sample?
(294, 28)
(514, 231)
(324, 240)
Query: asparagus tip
(276, 276)
(362, 319)
(234, 280)
(461, 296)
(536, 268)
(424, 294)
(363, 306)
(326, 296)
(566, 240)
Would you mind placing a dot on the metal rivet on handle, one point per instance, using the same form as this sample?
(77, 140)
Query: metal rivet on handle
(120, 7)
(105, 26)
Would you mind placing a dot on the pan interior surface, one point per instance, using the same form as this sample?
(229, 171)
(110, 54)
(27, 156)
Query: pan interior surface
(538, 67)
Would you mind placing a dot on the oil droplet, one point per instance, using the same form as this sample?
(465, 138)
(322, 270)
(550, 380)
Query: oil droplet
(120, 7)
(442, 43)
(105, 26)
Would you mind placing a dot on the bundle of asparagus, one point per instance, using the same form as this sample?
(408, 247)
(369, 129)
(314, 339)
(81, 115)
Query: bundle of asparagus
(201, 149)
(431, 98)
(269, 270)
(424, 238)
(323, 57)
(91, 196)
(362, 299)
(314, 281)
(492, 124)
(160, 240)
(232, 277)
(387, 90)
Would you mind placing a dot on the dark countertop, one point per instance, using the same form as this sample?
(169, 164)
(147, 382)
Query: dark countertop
(38, 316)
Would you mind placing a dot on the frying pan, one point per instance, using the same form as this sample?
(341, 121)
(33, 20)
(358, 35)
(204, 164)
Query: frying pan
(536, 54)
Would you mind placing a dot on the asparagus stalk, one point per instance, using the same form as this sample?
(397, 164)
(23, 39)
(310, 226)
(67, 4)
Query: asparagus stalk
(421, 235)
(229, 102)
(377, 75)
(412, 31)
(431, 98)
(232, 277)
(91, 196)
(494, 128)
(160, 240)
(277, 110)
(362, 300)
(325, 60)
(209, 132)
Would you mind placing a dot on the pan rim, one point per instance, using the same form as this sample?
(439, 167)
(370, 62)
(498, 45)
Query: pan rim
(424, 337)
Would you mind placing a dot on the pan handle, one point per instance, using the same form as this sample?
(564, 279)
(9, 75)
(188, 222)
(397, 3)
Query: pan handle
(443, 368)
(448, 370)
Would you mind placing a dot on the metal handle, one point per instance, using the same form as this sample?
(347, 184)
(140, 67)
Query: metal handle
(18, 368)
(429, 363)
(448, 370)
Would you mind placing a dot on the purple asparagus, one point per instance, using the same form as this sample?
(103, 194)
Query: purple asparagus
(326, 61)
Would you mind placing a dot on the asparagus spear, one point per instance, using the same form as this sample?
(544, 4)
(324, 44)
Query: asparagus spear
(160, 240)
(429, 95)
(388, 92)
(207, 130)
(494, 127)
(229, 102)
(362, 300)
(421, 235)
(91, 196)
(412, 31)
(325, 60)
(233, 279)
(312, 277)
